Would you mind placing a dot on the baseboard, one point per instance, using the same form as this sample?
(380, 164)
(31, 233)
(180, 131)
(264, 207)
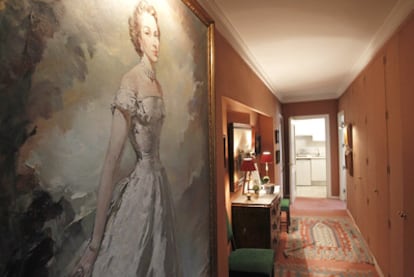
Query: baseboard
(377, 267)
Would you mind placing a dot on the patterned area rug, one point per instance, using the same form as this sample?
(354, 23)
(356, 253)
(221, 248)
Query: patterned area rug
(326, 238)
(306, 271)
(323, 241)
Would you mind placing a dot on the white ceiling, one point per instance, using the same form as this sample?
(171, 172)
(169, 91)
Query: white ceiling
(307, 50)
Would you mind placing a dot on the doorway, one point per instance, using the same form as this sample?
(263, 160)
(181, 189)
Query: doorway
(310, 155)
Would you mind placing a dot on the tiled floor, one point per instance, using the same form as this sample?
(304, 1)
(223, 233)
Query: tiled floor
(311, 191)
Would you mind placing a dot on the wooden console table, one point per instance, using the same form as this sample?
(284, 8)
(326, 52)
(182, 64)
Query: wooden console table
(256, 222)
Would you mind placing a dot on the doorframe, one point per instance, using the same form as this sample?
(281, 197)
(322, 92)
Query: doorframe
(327, 145)
(292, 161)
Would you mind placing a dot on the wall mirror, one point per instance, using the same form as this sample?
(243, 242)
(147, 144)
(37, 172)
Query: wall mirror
(240, 145)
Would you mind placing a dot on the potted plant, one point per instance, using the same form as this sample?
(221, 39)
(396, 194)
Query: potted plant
(256, 189)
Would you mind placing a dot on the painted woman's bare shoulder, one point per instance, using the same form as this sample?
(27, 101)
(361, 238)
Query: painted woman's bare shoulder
(130, 79)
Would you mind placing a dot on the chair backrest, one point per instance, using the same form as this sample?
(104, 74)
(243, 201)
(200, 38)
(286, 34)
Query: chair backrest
(230, 236)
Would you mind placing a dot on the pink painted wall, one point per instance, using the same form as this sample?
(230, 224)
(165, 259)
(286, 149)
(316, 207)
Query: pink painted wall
(239, 90)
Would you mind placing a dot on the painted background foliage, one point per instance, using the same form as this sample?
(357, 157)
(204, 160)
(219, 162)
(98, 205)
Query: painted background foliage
(60, 65)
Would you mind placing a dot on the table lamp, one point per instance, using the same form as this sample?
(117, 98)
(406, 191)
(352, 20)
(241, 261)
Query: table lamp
(247, 166)
(266, 158)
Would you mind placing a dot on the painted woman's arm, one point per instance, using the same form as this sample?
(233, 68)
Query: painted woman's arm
(118, 136)
(119, 132)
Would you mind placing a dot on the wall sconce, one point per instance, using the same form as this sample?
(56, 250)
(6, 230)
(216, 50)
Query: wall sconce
(348, 149)
(348, 136)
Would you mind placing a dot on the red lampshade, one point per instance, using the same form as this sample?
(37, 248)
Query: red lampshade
(248, 165)
(266, 157)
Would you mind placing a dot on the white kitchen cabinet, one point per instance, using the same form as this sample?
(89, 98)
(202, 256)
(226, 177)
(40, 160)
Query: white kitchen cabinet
(318, 169)
(314, 127)
(303, 172)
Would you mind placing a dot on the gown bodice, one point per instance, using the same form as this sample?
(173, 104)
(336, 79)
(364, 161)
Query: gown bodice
(146, 117)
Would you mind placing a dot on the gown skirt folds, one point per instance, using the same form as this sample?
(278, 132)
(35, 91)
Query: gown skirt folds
(139, 238)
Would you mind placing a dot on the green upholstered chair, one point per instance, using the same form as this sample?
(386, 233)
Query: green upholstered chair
(249, 262)
(285, 207)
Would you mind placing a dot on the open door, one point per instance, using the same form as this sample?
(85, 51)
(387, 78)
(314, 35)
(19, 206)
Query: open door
(341, 147)
(282, 160)
(292, 161)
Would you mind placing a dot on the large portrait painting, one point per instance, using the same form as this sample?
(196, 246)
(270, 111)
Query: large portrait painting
(106, 138)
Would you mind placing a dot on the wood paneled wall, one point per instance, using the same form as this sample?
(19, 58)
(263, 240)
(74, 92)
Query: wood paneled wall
(379, 104)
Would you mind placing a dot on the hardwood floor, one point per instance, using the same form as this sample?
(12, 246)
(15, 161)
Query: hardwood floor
(318, 206)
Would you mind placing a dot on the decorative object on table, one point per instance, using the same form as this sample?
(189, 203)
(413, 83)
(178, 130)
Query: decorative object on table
(269, 188)
(247, 166)
(266, 158)
(256, 189)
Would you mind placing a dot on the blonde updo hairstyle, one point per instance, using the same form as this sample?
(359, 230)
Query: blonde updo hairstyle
(135, 23)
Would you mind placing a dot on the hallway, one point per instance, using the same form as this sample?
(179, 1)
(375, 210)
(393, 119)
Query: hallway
(323, 241)
(318, 206)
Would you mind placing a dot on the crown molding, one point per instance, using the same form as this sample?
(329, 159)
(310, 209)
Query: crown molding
(393, 21)
(225, 27)
(308, 98)
(398, 14)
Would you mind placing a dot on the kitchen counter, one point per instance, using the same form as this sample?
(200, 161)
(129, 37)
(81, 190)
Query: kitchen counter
(310, 157)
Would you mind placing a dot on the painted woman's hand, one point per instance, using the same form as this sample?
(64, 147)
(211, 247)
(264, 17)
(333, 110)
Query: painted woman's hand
(85, 265)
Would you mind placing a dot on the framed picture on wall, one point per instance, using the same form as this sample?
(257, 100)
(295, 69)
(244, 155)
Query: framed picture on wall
(258, 144)
(225, 151)
(239, 147)
(136, 75)
(277, 136)
(349, 163)
(277, 156)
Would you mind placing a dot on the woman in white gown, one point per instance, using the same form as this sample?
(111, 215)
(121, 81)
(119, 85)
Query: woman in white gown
(135, 235)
